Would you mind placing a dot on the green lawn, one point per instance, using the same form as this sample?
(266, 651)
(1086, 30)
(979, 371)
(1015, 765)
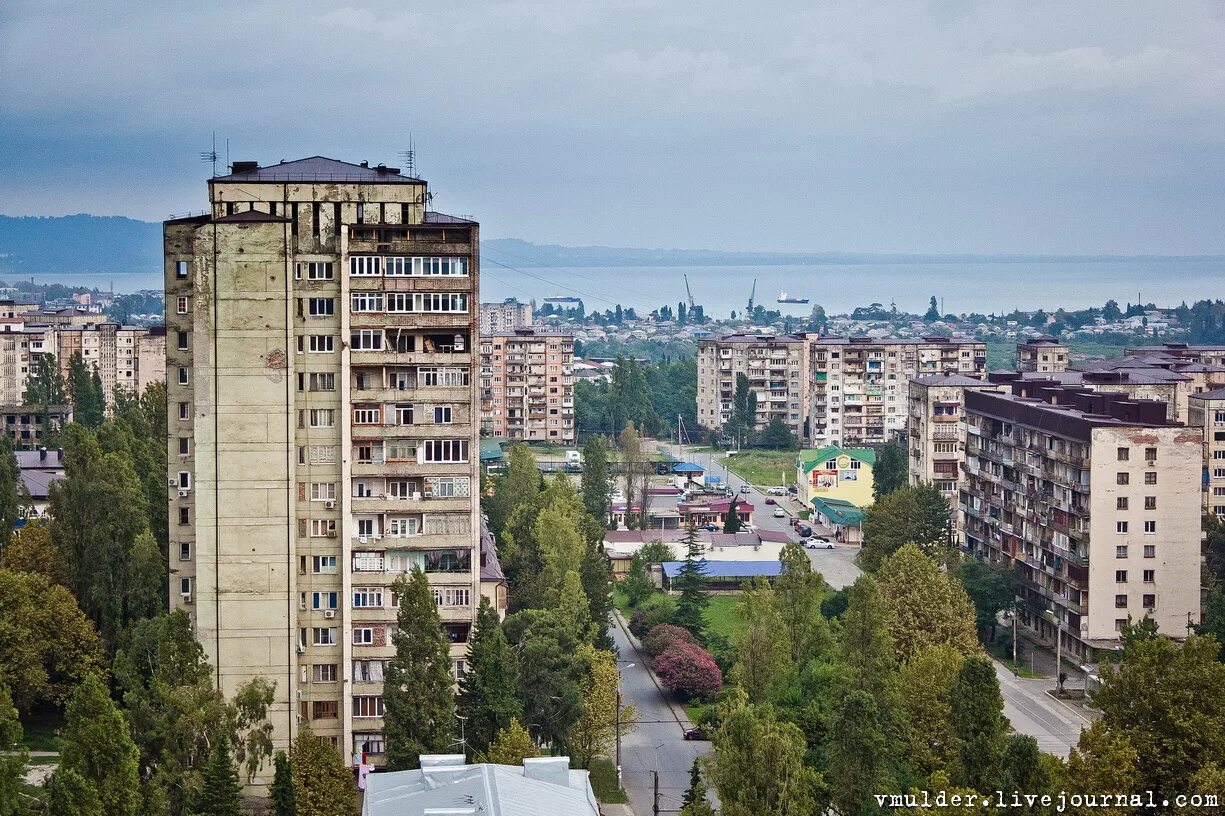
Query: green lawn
(722, 618)
(1004, 655)
(770, 468)
(604, 781)
(40, 730)
(696, 712)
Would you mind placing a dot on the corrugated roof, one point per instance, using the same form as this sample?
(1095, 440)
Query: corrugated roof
(318, 168)
(842, 513)
(487, 790)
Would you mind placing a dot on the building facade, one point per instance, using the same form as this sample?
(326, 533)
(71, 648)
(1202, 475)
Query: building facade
(777, 370)
(837, 474)
(860, 385)
(936, 438)
(1042, 354)
(527, 386)
(1094, 498)
(1187, 352)
(322, 441)
(1207, 413)
(506, 316)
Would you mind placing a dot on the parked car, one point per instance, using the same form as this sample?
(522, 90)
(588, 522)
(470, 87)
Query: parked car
(792, 489)
(777, 491)
(771, 501)
(803, 529)
(711, 528)
(780, 513)
(746, 489)
(817, 543)
(698, 733)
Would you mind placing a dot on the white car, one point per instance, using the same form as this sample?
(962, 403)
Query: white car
(780, 513)
(817, 543)
(777, 491)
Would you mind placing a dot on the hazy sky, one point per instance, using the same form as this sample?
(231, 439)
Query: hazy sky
(871, 125)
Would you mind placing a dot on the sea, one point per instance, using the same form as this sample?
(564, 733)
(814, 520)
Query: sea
(960, 287)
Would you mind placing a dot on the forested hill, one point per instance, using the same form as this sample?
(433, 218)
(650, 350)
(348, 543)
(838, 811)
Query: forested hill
(32, 245)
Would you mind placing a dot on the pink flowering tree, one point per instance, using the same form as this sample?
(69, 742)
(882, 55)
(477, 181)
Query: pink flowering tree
(665, 636)
(689, 671)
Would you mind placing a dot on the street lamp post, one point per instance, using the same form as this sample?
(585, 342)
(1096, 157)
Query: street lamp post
(1050, 614)
(618, 725)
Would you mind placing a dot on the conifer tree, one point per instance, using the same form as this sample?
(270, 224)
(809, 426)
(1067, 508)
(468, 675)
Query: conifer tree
(595, 478)
(281, 792)
(487, 698)
(731, 519)
(97, 747)
(418, 700)
(691, 583)
(979, 726)
(322, 785)
(220, 795)
(694, 802)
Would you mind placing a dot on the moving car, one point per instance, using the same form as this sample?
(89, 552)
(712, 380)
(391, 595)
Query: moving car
(698, 733)
(777, 491)
(745, 489)
(771, 501)
(780, 513)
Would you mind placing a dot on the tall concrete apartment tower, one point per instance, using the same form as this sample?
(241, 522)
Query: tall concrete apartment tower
(322, 333)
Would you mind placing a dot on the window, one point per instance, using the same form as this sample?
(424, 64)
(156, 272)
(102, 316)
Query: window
(182, 340)
(446, 377)
(1148, 601)
(366, 302)
(1150, 454)
(321, 343)
(322, 454)
(180, 269)
(367, 598)
(1120, 526)
(446, 450)
(184, 375)
(323, 491)
(1150, 576)
(185, 587)
(401, 267)
(1120, 503)
(367, 415)
(316, 270)
(1120, 576)
(184, 410)
(1119, 623)
(368, 671)
(452, 596)
(366, 340)
(1120, 601)
(181, 305)
(442, 414)
(1120, 551)
(368, 705)
(1122, 478)
(445, 487)
(184, 515)
(365, 265)
(1150, 526)
(323, 564)
(324, 673)
(369, 744)
(184, 480)
(322, 382)
(403, 414)
(1150, 550)
(403, 526)
(322, 417)
(184, 445)
(323, 600)
(1150, 477)
(401, 450)
(323, 528)
(321, 307)
(363, 636)
(324, 636)
(1150, 502)
(1123, 453)
(459, 669)
(184, 550)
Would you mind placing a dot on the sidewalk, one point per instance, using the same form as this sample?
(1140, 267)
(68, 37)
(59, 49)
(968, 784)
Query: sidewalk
(678, 711)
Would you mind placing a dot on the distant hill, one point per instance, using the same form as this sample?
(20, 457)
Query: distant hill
(113, 244)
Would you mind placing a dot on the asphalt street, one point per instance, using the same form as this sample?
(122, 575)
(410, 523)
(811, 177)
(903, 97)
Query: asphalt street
(1054, 725)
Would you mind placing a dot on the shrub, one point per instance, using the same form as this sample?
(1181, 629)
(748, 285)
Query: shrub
(689, 671)
(651, 613)
(662, 637)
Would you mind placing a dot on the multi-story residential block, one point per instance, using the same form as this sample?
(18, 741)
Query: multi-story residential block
(150, 357)
(527, 385)
(860, 385)
(1042, 354)
(1094, 498)
(936, 437)
(1207, 413)
(506, 316)
(1187, 352)
(322, 436)
(777, 370)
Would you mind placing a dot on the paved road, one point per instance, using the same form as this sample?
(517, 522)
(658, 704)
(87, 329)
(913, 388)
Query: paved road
(658, 743)
(1056, 726)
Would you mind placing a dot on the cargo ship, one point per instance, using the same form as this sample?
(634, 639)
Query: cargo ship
(783, 297)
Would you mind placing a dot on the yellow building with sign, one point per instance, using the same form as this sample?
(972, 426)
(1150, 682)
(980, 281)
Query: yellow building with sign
(844, 474)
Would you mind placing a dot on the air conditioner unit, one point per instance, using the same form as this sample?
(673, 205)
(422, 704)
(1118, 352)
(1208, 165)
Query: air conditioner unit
(331, 505)
(184, 494)
(329, 613)
(331, 533)
(416, 497)
(363, 540)
(186, 597)
(172, 482)
(301, 649)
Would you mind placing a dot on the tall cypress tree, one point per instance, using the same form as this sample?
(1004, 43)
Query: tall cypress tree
(731, 519)
(10, 489)
(487, 698)
(691, 582)
(281, 792)
(418, 698)
(595, 478)
(221, 794)
(978, 723)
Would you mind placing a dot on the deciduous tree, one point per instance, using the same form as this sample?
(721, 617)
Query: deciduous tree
(928, 679)
(32, 550)
(13, 759)
(596, 729)
(764, 650)
(978, 724)
(911, 514)
(322, 785)
(596, 474)
(889, 472)
(418, 701)
(759, 768)
(992, 589)
(97, 746)
(511, 746)
(798, 593)
(85, 389)
(688, 671)
(858, 754)
(925, 607)
(10, 489)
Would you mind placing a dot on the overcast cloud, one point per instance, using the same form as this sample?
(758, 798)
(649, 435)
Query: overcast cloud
(873, 125)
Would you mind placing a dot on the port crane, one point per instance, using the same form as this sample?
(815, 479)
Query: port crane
(689, 293)
(752, 296)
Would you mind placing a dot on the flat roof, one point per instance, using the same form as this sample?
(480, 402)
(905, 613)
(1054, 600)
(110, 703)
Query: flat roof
(314, 168)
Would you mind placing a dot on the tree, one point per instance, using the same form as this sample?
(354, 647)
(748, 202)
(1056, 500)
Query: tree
(13, 760)
(596, 729)
(221, 794)
(743, 421)
(928, 678)
(10, 489)
(916, 514)
(689, 671)
(889, 472)
(88, 400)
(933, 311)
(595, 478)
(487, 692)
(778, 435)
(595, 575)
(47, 646)
(511, 746)
(731, 519)
(864, 643)
(992, 588)
(978, 724)
(759, 767)
(798, 593)
(656, 609)
(858, 755)
(1104, 759)
(1213, 622)
(694, 802)
(96, 745)
(657, 552)
(636, 470)
(46, 385)
(636, 586)
(31, 550)
(550, 673)
(1022, 769)
(925, 607)
(418, 701)
(281, 792)
(70, 794)
(322, 785)
(690, 582)
(561, 545)
(663, 637)
(764, 651)
(515, 489)
(1214, 548)
(629, 402)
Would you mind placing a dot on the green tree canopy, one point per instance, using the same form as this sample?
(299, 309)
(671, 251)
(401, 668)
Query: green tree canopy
(221, 795)
(978, 723)
(96, 745)
(85, 389)
(596, 475)
(911, 514)
(511, 746)
(890, 471)
(690, 582)
(764, 666)
(759, 768)
(487, 698)
(281, 792)
(778, 435)
(925, 607)
(322, 785)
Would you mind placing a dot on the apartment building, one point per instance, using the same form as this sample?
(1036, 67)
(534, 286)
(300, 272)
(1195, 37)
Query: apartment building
(1207, 413)
(1042, 354)
(1094, 497)
(860, 385)
(1187, 352)
(777, 369)
(936, 438)
(527, 385)
(506, 316)
(322, 442)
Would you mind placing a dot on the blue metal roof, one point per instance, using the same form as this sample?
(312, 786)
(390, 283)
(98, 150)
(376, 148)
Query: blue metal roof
(729, 569)
(688, 467)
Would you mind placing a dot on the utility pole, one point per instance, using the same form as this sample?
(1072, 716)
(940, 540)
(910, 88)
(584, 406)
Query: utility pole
(655, 801)
(618, 734)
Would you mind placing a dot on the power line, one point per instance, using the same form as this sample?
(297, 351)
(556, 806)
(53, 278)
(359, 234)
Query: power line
(567, 271)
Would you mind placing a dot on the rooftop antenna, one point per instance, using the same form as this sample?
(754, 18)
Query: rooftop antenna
(211, 156)
(410, 158)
